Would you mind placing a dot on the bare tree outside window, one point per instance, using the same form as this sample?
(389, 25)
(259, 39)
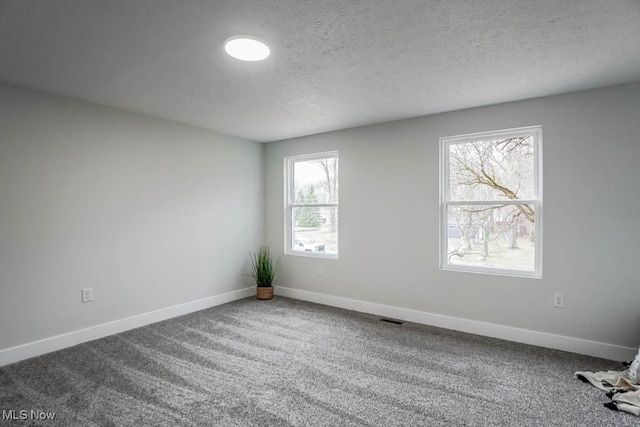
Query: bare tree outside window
(491, 201)
(329, 184)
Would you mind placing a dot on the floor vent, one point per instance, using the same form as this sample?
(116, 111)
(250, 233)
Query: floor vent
(395, 322)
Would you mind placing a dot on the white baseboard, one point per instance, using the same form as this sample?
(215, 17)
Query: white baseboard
(525, 336)
(47, 345)
(542, 339)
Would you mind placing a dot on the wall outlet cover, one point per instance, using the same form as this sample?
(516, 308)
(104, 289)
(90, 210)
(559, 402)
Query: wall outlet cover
(558, 300)
(87, 295)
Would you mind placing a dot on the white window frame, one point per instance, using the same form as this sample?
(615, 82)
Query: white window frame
(289, 201)
(536, 201)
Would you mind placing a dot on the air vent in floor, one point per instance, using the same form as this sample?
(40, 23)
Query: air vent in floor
(395, 322)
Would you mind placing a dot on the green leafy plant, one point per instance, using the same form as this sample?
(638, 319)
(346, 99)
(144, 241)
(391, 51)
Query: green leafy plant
(263, 267)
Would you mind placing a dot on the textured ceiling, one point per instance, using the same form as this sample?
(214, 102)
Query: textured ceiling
(335, 63)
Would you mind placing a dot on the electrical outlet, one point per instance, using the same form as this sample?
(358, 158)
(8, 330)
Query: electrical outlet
(558, 300)
(319, 271)
(87, 295)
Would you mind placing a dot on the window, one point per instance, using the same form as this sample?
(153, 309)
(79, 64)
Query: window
(491, 202)
(311, 199)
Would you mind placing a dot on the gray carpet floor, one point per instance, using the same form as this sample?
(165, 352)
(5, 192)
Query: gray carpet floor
(287, 362)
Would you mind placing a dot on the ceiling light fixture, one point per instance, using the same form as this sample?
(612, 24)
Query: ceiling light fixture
(247, 48)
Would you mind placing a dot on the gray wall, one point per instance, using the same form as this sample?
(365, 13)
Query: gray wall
(389, 218)
(147, 212)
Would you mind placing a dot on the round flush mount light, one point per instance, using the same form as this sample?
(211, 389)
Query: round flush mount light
(246, 48)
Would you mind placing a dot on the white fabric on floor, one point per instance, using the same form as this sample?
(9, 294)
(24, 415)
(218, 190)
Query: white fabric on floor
(609, 380)
(628, 401)
(627, 391)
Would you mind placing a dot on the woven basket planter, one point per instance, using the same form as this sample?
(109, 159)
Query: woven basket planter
(264, 292)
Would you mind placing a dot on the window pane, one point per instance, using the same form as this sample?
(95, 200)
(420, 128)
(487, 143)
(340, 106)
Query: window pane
(499, 236)
(493, 169)
(316, 181)
(315, 230)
